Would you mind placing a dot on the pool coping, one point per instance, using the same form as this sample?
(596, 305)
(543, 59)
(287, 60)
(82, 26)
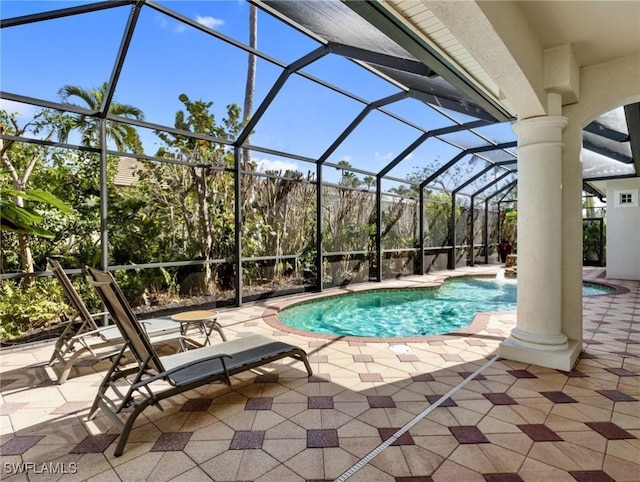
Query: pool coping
(479, 322)
(618, 290)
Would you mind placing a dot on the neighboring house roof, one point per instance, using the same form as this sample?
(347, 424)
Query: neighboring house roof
(127, 171)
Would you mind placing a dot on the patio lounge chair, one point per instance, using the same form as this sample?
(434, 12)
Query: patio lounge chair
(81, 334)
(153, 378)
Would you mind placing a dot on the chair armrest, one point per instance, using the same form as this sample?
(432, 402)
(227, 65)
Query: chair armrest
(109, 355)
(166, 373)
(92, 332)
(96, 315)
(145, 324)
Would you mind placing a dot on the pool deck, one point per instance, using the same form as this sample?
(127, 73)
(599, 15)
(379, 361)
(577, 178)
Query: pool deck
(437, 409)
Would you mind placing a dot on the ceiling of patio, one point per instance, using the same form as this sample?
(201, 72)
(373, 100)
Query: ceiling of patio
(597, 31)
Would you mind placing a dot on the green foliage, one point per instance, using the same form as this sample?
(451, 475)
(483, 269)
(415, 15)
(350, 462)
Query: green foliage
(87, 293)
(510, 225)
(23, 219)
(591, 240)
(73, 178)
(139, 284)
(25, 308)
(307, 260)
(437, 214)
(399, 223)
(132, 284)
(22, 223)
(280, 220)
(200, 197)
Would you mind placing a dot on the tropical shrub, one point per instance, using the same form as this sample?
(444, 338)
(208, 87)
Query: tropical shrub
(26, 308)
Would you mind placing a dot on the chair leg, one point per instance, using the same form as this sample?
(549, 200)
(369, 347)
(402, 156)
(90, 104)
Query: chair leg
(218, 328)
(65, 373)
(54, 358)
(68, 365)
(307, 366)
(301, 355)
(108, 379)
(62, 347)
(128, 425)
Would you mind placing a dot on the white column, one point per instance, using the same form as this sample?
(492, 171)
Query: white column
(540, 233)
(537, 337)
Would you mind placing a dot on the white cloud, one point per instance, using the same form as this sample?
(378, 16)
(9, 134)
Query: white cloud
(263, 165)
(162, 21)
(383, 157)
(167, 24)
(209, 21)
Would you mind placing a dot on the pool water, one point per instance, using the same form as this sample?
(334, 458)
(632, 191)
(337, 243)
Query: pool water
(408, 312)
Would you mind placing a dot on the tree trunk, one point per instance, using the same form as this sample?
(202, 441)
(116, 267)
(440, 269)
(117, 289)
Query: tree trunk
(250, 86)
(26, 257)
(206, 231)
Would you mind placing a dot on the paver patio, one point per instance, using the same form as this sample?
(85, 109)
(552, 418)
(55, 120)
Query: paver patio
(448, 410)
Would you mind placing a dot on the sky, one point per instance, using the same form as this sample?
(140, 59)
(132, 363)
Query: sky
(167, 58)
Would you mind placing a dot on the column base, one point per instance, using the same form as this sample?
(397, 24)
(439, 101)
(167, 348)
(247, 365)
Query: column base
(536, 341)
(558, 359)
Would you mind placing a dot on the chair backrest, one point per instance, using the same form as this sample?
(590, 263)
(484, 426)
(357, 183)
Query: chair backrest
(124, 318)
(72, 295)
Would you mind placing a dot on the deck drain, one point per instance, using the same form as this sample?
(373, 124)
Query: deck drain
(400, 349)
(388, 442)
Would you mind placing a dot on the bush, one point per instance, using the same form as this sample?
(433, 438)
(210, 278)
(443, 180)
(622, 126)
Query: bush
(26, 308)
(143, 286)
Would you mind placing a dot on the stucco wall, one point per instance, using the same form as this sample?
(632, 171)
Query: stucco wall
(623, 230)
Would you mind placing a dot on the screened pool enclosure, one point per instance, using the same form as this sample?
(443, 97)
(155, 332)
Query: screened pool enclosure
(244, 150)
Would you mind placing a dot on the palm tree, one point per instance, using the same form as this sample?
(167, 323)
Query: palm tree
(250, 85)
(348, 179)
(123, 135)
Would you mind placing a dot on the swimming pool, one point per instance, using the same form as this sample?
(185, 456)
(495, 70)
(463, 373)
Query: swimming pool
(408, 312)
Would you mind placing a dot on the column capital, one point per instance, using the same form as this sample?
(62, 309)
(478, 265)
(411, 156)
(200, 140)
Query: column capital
(542, 123)
(540, 130)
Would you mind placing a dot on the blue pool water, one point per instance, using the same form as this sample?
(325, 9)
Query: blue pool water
(408, 312)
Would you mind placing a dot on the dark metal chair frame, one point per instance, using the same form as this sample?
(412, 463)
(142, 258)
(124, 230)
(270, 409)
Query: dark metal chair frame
(154, 378)
(82, 335)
